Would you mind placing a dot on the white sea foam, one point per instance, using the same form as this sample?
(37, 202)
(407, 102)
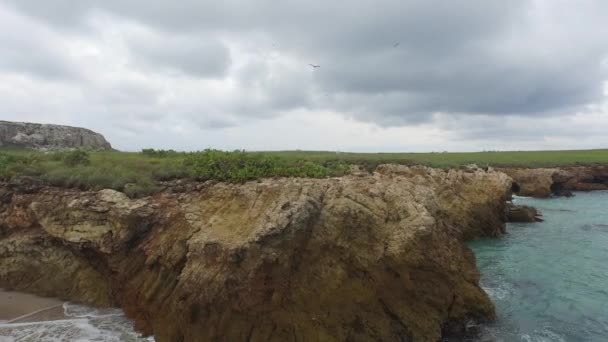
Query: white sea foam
(497, 292)
(543, 335)
(81, 311)
(83, 324)
(500, 334)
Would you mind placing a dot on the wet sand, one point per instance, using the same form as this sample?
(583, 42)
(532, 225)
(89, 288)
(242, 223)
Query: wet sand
(21, 307)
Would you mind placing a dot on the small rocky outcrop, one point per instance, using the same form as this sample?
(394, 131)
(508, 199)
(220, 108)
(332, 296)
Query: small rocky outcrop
(522, 213)
(532, 182)
(584, 178)
(42, 136)
(545, 182)
(360, 258)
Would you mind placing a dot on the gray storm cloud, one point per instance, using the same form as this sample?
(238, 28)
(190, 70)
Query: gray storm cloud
(392, 63)
(198, 56)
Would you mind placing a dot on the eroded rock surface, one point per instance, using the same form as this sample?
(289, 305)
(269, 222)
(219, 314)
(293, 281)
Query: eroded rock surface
(545, 182)
(522, 213)
(359, 258)
(42, 136)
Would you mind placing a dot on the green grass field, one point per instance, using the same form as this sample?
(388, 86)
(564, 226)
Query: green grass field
(138, 174)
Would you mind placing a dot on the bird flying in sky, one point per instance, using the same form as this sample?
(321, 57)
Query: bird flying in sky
(314, 66)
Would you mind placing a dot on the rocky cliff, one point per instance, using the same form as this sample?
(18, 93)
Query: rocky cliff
(545, 182)
(40, 136)
(360, 258)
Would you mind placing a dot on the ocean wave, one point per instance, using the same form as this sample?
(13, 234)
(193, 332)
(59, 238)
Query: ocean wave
(83, 324)
(81, 311)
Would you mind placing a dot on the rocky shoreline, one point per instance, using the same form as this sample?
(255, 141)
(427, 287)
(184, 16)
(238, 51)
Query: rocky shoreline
(362, 257)
(545, 182)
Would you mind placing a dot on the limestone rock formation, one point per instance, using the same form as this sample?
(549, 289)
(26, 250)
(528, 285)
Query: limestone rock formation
(532, 182)
(357, 258)
(41, 136)
(522, 213)
(545, 182)
(584, 178)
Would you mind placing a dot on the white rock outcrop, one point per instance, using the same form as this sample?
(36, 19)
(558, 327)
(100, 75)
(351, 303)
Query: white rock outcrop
(42, 136)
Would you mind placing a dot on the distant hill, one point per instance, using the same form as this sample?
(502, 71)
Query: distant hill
(45, 136)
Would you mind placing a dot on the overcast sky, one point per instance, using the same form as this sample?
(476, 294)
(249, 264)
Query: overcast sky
(395, 75)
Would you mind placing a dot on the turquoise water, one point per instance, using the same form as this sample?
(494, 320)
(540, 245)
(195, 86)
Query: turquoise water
(549, 280)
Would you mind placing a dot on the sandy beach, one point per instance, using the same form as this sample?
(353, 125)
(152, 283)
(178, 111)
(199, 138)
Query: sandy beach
(25, 317)
(21, 307)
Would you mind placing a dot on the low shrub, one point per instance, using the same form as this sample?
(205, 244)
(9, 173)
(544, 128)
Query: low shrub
(19, 165)
(76, 157)
(240, 166)
(150, 152)
(6, 161)
(140, 189)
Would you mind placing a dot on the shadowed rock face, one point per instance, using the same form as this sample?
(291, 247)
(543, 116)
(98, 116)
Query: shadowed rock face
(39, 136)
(375, 257)
(522, 213)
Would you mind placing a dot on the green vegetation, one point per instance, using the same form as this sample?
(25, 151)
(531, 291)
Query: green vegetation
(75, 158)
(456, 159)
(240, 166)
(150, 152)
(138, 174)
(132, 173)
